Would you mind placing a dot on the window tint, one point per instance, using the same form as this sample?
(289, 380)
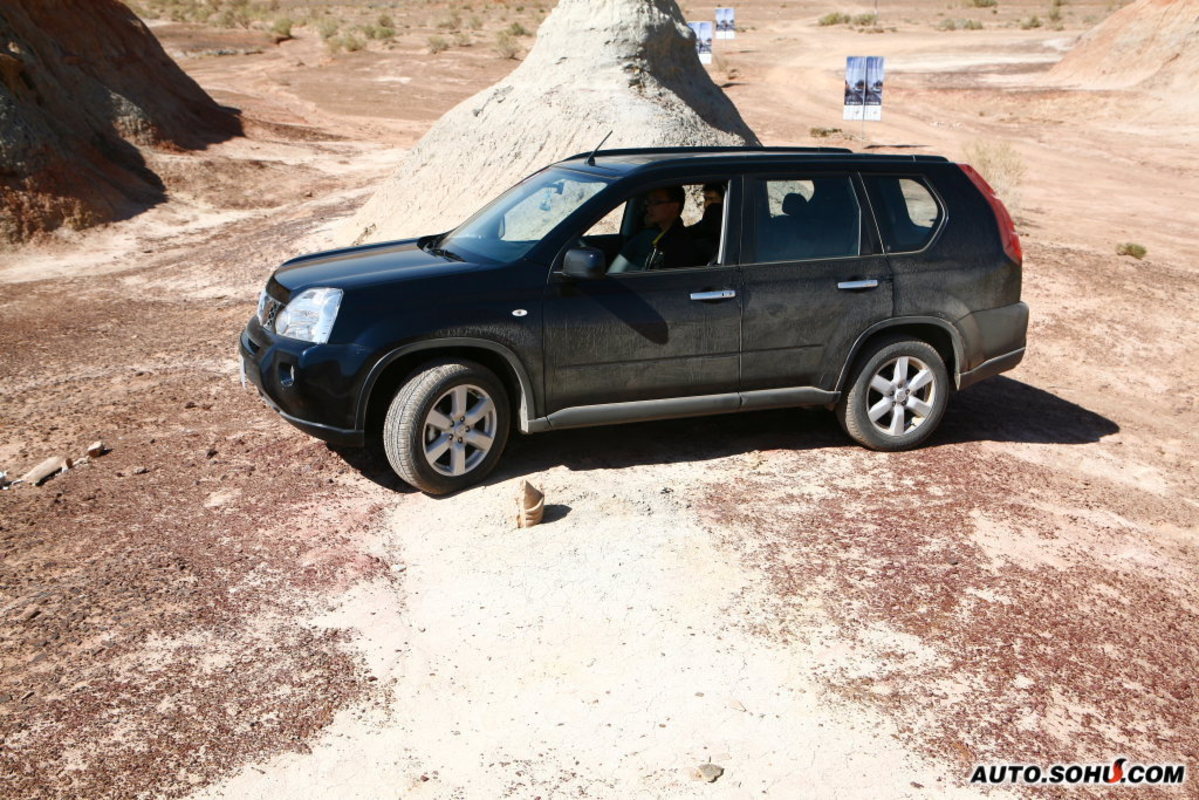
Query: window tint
(799, 219)
(908, 214)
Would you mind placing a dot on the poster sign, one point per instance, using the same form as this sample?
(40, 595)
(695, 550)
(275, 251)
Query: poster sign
(726, 23)
(703, 40)
(864, 87)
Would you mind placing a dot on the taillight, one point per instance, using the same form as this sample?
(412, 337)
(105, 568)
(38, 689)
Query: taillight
(1007, 228)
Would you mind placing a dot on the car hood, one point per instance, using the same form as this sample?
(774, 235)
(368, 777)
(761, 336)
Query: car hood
(365, 266)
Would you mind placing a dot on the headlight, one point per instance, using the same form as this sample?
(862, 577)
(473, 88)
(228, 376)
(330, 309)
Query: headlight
(310, 315)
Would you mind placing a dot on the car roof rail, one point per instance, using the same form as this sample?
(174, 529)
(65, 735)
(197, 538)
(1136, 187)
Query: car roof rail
(731, 149)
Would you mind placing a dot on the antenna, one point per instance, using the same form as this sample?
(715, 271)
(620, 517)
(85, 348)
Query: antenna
(591, 158)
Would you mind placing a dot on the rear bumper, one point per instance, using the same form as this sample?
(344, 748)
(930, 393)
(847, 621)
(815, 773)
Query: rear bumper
(311, 386)
(992, 366)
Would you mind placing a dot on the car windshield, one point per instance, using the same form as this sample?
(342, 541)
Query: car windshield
(508, 227)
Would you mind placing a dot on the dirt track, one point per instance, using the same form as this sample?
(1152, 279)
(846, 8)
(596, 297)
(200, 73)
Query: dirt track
(223, 601)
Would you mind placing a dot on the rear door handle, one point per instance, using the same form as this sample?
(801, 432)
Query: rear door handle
(715, 294)
(850, 286)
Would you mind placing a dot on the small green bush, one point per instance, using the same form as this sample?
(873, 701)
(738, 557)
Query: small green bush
(438, 44)
(984, 3)
(824, 133)
(384, 21)
(474, 23)
(834, 18)
(865, 20)
(351, 43)
(463, 39)
(972, 25)
(1032, 22)
(282, 27)
(947, 25)
(516, 29)
(327, 29)
(1131, 249)
(451, 23)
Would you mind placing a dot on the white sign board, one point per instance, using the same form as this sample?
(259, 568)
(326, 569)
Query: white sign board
(703, 40)
(864, 87)
(726, 23)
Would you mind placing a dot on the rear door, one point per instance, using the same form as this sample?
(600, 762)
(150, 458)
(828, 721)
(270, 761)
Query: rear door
(813, 277)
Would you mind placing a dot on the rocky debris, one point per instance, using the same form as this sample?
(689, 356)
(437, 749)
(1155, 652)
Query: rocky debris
(625, 66)
(96, 449)
(530, 505)
(83, 85)
(708, 772)
(4, 481)
(47, 469)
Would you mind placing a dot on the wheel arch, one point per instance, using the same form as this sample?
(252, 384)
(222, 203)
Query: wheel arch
(393, 369)
(939, 333)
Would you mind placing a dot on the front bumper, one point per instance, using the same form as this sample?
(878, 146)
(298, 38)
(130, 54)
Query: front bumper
(314, 387)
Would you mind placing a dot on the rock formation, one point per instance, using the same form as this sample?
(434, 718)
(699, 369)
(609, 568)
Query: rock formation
(1153, 44)
(626, 66)
(83, 84)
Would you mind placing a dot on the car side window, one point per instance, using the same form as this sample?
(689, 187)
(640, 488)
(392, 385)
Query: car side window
(908, 212)
(797, 219)
(678, 226)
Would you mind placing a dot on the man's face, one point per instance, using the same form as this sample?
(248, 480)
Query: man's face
(660, 210)
(712, 197)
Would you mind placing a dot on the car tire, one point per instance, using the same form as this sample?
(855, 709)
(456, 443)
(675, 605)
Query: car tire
(447, 426)
(898, 395)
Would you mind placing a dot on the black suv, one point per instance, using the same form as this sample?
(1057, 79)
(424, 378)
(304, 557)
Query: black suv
(870, 284)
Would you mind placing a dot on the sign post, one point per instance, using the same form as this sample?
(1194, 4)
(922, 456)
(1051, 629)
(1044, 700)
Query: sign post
(864, 77)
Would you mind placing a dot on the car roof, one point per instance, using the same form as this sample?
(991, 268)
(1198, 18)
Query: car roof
(628, 160)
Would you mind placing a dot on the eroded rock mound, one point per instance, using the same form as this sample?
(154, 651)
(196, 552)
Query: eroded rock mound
(1148, 43)
(83, 84)
(626, 66)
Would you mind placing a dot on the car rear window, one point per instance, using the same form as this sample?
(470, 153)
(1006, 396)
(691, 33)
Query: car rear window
(908, 212)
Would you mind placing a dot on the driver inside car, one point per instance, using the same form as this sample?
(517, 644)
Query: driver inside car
(665, 243)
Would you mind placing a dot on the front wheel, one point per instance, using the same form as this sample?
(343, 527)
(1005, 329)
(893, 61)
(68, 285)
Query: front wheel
(898, 396)
(447, 426)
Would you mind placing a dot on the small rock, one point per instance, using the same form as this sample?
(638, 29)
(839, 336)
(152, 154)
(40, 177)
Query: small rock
(140, 470)
(398, 567)
(530, 505)
(709, 772)
(4, 481)
(29, 614)
(96, 449)
(43, 471)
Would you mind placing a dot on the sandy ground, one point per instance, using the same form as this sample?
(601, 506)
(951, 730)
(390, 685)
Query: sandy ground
(221, 607)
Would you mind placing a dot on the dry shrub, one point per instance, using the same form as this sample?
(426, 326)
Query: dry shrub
(1133, 249)
(506, 45)
(438, 44)
(834, 18)
(1002, 167)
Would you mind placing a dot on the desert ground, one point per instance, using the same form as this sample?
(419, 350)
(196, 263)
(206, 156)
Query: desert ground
(223, 607)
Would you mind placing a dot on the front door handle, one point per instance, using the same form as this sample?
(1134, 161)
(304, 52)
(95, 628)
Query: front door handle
(850, 286)
(715, 294)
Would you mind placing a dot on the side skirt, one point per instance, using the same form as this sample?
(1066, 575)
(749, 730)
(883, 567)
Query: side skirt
(676, 407)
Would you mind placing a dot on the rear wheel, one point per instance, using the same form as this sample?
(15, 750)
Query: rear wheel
(898, 396)
(447, 426)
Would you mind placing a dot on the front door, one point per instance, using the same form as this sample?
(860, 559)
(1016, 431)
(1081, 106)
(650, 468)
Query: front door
(641, 336)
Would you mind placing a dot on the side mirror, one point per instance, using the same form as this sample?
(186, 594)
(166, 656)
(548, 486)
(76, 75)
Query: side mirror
(585, 263)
